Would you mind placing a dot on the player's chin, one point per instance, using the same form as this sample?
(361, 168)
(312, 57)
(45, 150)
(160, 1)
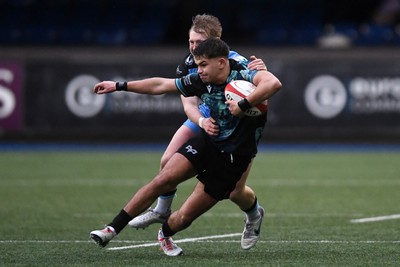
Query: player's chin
(204, 78)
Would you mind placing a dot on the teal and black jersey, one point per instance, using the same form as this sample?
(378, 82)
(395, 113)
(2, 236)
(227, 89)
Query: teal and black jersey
(237, 135)
(188, 66)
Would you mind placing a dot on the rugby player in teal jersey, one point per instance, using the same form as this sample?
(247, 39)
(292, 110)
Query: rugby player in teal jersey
(203, 27)
(219, 161)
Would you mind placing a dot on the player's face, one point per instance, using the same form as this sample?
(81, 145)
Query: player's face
(195, 38)
(209, 70)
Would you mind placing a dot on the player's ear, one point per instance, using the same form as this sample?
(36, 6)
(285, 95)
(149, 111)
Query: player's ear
(222, 62)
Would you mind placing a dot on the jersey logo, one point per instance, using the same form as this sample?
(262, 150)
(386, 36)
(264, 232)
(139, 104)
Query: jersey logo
(186, 80)
(178, 71)
(209, 88)
(189, 60)
(190, 149)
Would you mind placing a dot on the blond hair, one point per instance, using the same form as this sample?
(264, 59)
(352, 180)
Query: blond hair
(208, 25)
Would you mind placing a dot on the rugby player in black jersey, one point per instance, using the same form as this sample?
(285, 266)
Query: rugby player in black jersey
(219, 161)
(203, 27)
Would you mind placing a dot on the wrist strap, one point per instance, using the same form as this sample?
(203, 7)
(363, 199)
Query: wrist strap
(201, 119)
(244, 104)
(121, 86)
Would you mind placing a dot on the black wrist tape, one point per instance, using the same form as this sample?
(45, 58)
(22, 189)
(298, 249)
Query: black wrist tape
(244, 104)
(121, 86)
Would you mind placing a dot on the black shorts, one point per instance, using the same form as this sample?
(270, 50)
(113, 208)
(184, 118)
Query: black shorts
(217, 170)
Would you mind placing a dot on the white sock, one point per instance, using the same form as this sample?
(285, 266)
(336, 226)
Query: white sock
(164, 204)
(253, 214)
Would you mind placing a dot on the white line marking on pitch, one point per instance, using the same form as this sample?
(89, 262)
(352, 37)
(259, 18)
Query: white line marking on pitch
(204, 239)
(176, 241)
(376, 219)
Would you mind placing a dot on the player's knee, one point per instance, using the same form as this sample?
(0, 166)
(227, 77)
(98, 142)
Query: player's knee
(165, 182)
(241, 192)
(236, 194)
(234, 198)
(163, 162)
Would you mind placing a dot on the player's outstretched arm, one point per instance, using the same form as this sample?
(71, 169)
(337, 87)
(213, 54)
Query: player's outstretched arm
(150, 86)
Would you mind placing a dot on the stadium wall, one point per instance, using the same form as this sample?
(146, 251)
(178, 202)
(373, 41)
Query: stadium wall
(45, 93)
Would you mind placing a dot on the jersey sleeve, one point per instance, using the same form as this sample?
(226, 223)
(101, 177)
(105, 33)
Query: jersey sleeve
(238, 58)
(248, 75)
(181, 70)
(184, 68)
(240, 72)
(190, 85)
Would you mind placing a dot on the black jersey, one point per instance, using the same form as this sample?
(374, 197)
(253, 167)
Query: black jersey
(237, 135)
(188, 66)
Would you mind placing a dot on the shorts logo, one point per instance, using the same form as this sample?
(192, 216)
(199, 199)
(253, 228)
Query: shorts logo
(190, 149)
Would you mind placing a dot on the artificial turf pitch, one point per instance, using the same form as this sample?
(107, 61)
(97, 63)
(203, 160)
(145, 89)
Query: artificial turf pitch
(51, 200)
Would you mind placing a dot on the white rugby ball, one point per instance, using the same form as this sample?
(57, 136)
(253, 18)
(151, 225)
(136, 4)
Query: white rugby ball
(239, 89)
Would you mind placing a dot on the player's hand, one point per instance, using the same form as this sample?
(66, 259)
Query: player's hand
(104, 87)
(234, 108)
(210, 126)
(256, 64)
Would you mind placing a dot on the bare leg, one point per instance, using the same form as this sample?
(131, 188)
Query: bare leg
(177, 170)
(197, 203)
(164, 202)
(243, 195)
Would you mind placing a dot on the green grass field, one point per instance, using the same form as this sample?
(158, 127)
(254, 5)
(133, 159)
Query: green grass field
(50, 201)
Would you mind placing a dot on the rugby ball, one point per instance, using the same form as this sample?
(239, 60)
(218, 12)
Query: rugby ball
(239, 89)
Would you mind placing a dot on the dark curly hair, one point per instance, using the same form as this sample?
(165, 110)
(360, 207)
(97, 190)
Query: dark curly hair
(212, 48)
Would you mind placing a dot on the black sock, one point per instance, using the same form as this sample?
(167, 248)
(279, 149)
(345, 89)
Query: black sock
(120, 221)
(167, 231)
(252, 206)
(170, 193)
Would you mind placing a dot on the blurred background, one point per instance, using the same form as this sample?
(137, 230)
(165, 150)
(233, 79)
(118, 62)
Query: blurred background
(339, 62)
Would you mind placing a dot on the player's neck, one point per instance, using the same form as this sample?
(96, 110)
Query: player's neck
(223, 75)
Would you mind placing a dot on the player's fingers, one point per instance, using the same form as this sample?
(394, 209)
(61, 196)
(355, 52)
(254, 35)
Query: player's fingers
(212, 131)
(212, 121)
